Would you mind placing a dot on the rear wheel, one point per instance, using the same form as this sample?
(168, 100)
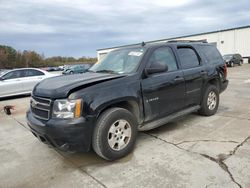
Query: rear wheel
(210, 101)
(115, 134)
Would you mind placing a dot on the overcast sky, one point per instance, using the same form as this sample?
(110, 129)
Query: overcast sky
(79, 27)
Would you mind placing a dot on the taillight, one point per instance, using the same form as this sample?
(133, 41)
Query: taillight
(225, 71)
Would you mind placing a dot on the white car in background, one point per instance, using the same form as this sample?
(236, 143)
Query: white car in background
(20, 81)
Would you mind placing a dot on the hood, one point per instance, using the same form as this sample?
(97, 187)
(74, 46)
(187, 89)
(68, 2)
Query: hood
(61, 86)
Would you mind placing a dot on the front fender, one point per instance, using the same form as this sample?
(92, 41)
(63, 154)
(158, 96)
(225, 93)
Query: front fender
(119, 102)
(100, 96)
(125, 96)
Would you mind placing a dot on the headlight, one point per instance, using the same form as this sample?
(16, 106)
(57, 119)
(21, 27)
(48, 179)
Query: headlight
(67, 108)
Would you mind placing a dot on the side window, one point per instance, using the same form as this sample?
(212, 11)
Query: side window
(163, 56)
(188, 58)
(32, 72)
(211, 53)
(13, 75)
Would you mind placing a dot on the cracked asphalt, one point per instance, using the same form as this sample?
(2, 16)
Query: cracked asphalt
(193, 151)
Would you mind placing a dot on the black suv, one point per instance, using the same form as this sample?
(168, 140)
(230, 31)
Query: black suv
(232, 59)
(134, 88)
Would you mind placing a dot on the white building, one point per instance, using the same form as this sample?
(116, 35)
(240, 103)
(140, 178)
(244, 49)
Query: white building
(228, 41)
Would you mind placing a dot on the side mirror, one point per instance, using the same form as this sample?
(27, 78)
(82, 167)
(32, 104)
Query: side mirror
(156, 68)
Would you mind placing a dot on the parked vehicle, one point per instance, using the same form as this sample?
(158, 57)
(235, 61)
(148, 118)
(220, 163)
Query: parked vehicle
(133, 88)
(61, 68)
(50, 69)
(20, 81)
(76, 69)
(232, 59)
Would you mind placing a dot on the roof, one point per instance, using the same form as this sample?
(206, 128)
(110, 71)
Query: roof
(9, 70)
(184, 36)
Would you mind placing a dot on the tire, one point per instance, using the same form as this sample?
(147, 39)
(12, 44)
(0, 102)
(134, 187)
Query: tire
(112, 125)
(231, 64)
(208, 107)
(71, 72)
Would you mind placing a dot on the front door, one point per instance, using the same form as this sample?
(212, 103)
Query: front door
(11, 83)
(163, 93)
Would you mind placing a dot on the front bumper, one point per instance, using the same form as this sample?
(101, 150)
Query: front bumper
(64, 134)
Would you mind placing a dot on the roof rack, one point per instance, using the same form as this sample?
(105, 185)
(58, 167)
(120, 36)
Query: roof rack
(186, 41)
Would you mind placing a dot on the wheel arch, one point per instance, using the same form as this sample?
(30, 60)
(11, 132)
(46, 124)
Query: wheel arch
(129, 104)
(213, 81)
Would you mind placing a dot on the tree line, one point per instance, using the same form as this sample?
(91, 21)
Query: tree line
(11, 58)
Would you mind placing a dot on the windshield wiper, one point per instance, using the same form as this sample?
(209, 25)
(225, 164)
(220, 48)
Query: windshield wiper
(106, 71)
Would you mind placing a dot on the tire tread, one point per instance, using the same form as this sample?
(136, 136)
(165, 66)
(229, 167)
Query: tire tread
(100, 128)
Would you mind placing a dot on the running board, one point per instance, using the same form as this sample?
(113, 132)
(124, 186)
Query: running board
(162, 121)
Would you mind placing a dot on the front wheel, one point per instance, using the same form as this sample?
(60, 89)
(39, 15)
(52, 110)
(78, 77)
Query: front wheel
(115, 134)
(210, 101)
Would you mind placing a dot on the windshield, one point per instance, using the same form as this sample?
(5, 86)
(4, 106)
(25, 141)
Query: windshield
(2, 72)
(120, 61)
(227, 57)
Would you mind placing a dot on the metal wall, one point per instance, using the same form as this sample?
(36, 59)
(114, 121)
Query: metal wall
(227, 41)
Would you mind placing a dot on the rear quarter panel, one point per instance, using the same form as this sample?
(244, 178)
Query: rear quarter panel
(215, 69)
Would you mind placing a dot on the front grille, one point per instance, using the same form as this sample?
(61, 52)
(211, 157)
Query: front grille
(40, 107)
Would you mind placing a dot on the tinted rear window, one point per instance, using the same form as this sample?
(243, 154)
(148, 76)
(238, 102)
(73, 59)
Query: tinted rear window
(31, 72)
(188, 57)
(211, 53)
(238, 56)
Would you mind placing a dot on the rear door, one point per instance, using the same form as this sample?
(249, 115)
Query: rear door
(194, 74)
(32, 77)
(163, 93)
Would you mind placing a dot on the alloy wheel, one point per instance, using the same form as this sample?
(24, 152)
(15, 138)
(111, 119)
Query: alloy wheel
(119, 135)
(211, 100)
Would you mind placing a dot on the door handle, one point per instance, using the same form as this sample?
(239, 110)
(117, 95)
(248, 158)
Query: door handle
(178, 79)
